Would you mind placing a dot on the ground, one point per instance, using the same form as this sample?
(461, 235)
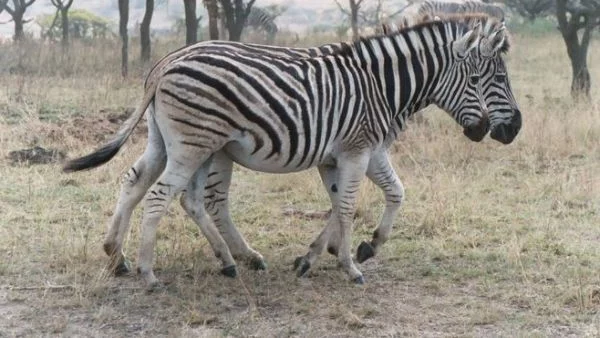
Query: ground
(492, 240)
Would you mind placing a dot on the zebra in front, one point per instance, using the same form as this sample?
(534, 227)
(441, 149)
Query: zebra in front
(504, 123)
(339, 112)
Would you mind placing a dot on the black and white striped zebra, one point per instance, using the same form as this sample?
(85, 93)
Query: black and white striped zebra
(430, 9)
(259, 19)
(339, 112)
(262, 20)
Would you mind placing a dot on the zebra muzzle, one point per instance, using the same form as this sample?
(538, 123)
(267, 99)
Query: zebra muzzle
(477, 132)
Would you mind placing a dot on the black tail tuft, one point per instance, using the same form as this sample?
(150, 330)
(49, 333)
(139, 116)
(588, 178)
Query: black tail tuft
(95, 159)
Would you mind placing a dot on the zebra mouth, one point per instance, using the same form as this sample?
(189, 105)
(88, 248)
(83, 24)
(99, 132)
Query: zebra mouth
(477, 132)
(506, 132)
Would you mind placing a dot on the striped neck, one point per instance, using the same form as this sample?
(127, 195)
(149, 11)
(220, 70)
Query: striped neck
(407, 65)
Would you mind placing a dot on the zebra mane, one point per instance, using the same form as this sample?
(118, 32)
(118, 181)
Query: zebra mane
(489, 22)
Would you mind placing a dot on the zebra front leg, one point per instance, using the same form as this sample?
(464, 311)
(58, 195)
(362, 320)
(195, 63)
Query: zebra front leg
(329, 177)
(351, 170)
(193, 203)
(216, 201)
(135, 183)
(381, 172)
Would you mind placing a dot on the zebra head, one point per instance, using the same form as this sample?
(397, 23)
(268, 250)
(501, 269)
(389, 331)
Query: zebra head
(458, 91)
(505, 116)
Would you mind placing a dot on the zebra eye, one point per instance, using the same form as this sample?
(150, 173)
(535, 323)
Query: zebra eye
(474, 80)
(500, 77)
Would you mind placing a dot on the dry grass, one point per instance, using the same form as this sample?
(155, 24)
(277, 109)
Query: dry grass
(492, 240)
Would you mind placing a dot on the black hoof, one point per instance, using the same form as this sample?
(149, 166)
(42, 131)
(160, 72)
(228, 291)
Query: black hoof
(258, 264)
(364, 252)
(332, 250)
(360, 280)
(156, 287)
(123, 268)
(297, 262)
(303, 264)
(229, 271)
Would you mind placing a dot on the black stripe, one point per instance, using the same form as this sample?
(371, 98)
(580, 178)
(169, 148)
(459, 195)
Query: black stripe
(195, 125)
(235, 100)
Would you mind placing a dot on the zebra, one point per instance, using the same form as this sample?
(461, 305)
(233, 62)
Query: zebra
(430, 9)
(497, 96)
(259, 19)
(356, 100)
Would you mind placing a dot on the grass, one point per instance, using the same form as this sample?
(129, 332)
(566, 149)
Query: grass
(492, 240)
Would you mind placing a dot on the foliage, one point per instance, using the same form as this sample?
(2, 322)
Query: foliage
(82, 25)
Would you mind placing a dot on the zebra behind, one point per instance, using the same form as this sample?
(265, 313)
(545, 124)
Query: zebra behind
(339, 112)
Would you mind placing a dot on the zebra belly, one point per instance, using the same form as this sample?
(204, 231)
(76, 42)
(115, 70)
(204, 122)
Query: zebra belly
(243, 154)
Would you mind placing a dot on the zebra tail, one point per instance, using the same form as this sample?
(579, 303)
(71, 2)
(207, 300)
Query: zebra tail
(109, 150)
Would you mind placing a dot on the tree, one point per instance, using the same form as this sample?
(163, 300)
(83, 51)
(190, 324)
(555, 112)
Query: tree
(82, 25)
(574, 16)
(123, 18)
(191, 23)
(353, 14)
(17, 12)
(376, 14)
(145, 31)
(212, 7)
(2, 4)
(236, 14)
(63, 6)
(531, 9)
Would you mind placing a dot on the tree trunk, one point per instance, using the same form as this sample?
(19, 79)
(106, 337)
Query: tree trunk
(235, 32)
(235, 16)
(19, 33)
(145, 31)
(64, 16)
(354, 18)
(213, 19)
(123, 18)
(191, 24)
(580, 86)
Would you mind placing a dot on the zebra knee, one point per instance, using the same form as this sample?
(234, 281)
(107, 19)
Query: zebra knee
(395, 194)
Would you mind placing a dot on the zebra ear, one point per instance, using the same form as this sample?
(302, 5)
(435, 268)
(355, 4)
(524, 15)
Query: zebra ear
(498, 40)
(495, 42)
(467, 42)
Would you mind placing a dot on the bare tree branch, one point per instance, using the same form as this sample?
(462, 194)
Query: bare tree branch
(345, 11)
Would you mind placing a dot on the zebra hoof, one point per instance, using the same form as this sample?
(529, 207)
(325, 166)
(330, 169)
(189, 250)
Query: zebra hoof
(156, 287)
(302, 265)
(258, 264)
(360, 280)
(123, 268)
(229, 271)
(332, 250)
(364, 252)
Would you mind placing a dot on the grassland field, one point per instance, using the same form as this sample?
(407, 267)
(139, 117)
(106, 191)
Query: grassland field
(491, 240)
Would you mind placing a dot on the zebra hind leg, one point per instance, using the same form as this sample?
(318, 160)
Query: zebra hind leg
(193, 203)
(135, 183)
(216, 201)
(180, 168)
(382, 173)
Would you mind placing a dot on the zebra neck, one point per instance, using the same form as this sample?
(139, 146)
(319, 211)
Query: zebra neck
(405, 68)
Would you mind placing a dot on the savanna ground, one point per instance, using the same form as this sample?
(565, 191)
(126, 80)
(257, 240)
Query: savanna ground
(492, 240)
